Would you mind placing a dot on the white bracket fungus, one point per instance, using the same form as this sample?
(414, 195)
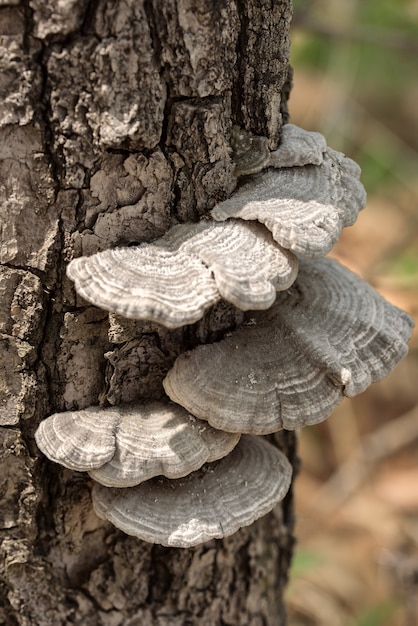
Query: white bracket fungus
(330, 334)
(327, 334)
(213, 502)
(305, 208)
(175, 279)
(297, 147)
(125, 445)
(79, 440)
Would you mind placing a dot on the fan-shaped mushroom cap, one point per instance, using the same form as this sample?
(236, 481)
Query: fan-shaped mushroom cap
(247, 264)
(146, 282)
(305, 208)
(298, 147)
(175, 279)
(329, 334)
(213, 502)
(79, 440)
(125, 445)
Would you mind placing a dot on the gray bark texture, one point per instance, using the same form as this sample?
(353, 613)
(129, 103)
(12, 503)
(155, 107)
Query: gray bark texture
(115, 119)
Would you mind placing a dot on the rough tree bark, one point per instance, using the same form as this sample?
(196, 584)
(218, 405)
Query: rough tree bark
(115, 120)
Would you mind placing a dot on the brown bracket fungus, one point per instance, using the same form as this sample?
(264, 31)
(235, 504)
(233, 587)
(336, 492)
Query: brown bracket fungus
(175, 279)
(213, 502)
(330, 334)
(250, 152)
(125, 445)
(305, 208)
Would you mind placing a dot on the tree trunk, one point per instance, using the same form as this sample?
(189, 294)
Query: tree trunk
(115, 122)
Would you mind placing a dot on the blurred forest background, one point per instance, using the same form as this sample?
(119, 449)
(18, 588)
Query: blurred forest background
(356, 81)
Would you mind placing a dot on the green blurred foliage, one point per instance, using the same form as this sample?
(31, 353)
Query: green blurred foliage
(304, 561)
(389, 13)
(370, 49)
(382, 35)
(381, 164)
(403, 268)
(377, 615)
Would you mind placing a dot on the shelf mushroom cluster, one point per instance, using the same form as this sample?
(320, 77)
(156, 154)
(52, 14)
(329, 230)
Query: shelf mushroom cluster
(192, 468)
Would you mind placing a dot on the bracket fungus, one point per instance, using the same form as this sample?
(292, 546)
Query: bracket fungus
(79, 440)
(305, 208)
(213, 502)
(297, 147)
(251, 153)
(175, 279)
(160, 473)
(330, 334)
(125, 445)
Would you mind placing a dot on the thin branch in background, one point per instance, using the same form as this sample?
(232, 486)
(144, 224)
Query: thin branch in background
(344, 433)
(383, 129)
(375, 447)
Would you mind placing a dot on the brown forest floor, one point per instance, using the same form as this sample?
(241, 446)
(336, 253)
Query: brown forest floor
(356, 561)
